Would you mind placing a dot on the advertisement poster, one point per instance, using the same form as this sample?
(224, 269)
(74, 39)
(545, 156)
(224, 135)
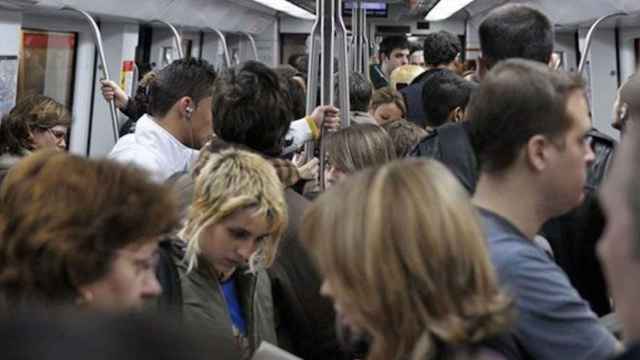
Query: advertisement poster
(8, 82)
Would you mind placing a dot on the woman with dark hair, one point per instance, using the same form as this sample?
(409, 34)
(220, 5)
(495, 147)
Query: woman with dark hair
(36, 122)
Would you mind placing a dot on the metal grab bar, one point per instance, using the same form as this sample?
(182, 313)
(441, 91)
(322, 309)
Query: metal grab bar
(252, 42)
(223, 41)
(103, 64)
(176, 36)
(312, 74)
(589, 39)
(328, 32)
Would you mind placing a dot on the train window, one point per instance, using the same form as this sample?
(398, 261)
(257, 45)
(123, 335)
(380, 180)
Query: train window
(47, 64)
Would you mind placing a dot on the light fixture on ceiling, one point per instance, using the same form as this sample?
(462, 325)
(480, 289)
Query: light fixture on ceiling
(287, 8)
(445, 8)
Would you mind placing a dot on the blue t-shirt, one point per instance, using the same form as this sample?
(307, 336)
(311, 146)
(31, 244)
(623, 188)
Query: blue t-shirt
(553, 321)
(231, 297)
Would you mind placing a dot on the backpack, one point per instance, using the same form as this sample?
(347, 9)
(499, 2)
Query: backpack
(450, 145)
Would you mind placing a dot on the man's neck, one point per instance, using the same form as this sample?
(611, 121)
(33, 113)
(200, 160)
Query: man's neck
(514, 198)
(173, 126)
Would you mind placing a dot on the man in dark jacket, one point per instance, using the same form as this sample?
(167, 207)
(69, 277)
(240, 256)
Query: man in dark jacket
(250, 110)
(441, 51)
(518, 31)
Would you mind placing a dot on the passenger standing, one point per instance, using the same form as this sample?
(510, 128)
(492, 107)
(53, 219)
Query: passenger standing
(394, 52)
(251, 111)
(80, 232)
(387, 105)
(404, 260)
(232, 231)
(178, 124)
(533, 170)
(445, 96)
(619, 245)
(441, 51)
(404, 136)
(36, 122)
(356, 148)
(360, 92)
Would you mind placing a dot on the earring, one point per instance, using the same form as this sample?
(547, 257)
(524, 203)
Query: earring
(85, 297)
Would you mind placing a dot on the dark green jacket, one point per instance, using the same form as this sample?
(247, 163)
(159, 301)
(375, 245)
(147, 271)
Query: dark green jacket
(204, 308)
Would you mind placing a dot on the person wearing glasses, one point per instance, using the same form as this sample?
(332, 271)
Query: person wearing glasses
(36, 122)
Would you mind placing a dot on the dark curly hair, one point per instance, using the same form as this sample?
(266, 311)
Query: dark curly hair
(441, 48)
(63, 217)
(250, 108)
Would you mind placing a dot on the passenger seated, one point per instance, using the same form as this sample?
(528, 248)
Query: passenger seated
(535, 169)
(619, 243)
(404, 260)
(445, 96)
(251, 111)
(80, 232)
(36, 122)
(232, 230)
(387, 105)
(355, 148)
(178, 123)
(404, 136)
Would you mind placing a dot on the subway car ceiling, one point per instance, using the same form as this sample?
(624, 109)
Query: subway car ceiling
(126, 28)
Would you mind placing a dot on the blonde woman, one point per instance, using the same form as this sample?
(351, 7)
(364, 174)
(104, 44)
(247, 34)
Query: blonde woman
(232, 230)
(404, 260)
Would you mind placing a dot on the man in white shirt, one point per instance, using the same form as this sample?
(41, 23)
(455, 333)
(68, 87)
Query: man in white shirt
(180, 122)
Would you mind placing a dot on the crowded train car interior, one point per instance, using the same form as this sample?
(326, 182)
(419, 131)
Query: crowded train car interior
(319, 179)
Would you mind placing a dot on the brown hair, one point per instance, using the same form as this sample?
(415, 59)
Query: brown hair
(405, 136)
(33, 113)
(387, 95)
(414, 274)
(504, 114)
(359, 146)
(62, 218)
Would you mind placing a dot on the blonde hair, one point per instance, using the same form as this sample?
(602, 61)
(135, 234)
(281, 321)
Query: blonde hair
(402, 245)
(229, 181)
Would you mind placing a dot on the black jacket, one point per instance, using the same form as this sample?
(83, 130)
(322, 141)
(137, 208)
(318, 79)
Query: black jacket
(412, 95)
(450, 145)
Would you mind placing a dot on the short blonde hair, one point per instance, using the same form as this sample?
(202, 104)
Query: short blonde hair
(402, 244)
(230, 181)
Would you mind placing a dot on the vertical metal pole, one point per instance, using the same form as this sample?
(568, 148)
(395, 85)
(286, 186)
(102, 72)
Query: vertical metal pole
(343, 69)
(176, 36)
(225, 49)
(365, 41)
(103, 64)
(312, 73)
(326, 71)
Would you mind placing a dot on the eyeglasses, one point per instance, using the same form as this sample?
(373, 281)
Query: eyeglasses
(58, 134)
